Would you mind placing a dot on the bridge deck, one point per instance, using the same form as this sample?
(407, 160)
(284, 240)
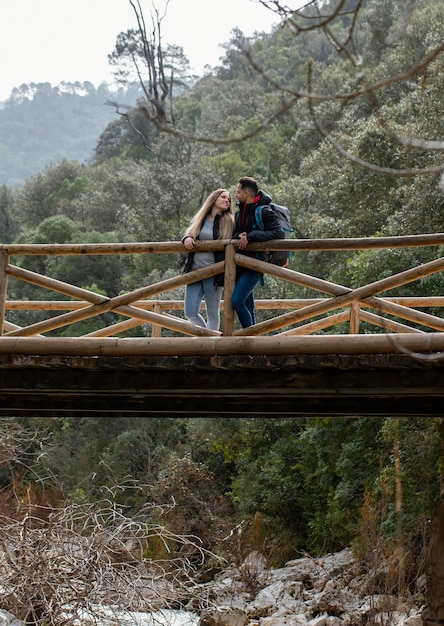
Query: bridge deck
(212, 386)
(386, 358)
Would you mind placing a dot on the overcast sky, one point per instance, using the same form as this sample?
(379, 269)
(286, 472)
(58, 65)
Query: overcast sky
(69, 40)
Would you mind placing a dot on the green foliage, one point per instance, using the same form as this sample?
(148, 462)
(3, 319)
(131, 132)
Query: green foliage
(38, 198)
(126, 140)
(289, 485)
(308, 479)
(103, 270)
(372, 265)
(8, 225)
(41, 124)
(56, 229)
(140, 448)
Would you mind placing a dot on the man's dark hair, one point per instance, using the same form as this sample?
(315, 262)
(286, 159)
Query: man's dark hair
(246, 182)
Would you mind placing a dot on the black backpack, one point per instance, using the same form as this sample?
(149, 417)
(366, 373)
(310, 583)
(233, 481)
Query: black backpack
(277, 257)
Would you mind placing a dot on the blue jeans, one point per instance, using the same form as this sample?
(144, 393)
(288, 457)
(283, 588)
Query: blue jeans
(193, 298)
(243, 296)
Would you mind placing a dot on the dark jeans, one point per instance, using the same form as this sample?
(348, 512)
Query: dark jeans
(243, 296)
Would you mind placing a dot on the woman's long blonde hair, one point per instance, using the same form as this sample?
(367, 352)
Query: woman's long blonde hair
(226, 224)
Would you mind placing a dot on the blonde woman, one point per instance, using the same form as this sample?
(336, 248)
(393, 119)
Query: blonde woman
(214, 220)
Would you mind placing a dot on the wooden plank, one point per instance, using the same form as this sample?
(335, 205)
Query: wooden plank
(365, 243)
(177, 305)
(428, 344)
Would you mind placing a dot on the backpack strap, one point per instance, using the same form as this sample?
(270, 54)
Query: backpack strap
(259, 220)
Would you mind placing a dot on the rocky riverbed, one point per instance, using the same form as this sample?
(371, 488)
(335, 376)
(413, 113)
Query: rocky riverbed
(334, 590)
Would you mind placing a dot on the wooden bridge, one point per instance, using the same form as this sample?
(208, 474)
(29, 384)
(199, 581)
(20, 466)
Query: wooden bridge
(297, 361)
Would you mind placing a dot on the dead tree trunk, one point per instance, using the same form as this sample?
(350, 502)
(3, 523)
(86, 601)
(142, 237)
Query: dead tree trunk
(434, 612)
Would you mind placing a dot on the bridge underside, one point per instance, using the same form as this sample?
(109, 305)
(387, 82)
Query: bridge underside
(212, 386)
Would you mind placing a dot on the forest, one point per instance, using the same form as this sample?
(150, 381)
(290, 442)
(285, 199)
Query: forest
(360, 157)
(41, 124)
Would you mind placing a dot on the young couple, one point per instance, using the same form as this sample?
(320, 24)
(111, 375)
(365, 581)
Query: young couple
(216, 220)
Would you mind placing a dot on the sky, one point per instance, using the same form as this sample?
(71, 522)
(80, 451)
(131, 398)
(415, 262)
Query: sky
(69, 40)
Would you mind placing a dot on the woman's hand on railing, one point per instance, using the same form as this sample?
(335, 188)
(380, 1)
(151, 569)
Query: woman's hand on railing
(189, 243)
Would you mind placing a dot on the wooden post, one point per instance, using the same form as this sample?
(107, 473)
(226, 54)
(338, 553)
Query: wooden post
(354, 318)
(4, 259)
(229, 282)
(156, 330)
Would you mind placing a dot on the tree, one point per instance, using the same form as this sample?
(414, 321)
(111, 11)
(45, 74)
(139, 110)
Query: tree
(89, 561)
(346, 27)
(41, 195)
(66, 557)
(8, 227)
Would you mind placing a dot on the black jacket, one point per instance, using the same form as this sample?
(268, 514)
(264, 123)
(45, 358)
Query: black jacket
(219, 255)
(246, 223)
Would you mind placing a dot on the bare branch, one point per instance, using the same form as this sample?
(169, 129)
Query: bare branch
(408, 142)
(309, 17)
(157, 90)
(88, 558)
(351, 95)
(366, 164)
(219, 141)
(15, 441)
(371, 166)
(420, 356)
(355, 58)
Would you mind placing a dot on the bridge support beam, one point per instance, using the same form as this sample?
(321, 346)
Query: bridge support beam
(218, 385)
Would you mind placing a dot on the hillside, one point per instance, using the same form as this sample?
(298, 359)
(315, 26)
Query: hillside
(41, 124)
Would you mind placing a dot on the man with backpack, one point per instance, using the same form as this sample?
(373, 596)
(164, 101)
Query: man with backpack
(247, 230)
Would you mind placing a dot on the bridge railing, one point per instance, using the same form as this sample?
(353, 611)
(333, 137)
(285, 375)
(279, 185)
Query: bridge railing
(143, 308)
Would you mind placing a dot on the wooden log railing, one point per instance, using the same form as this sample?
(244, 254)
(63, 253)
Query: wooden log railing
(145, 309)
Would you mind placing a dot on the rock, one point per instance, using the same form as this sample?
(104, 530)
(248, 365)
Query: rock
(8, 619)
(321, 620)
(223, 616)
(296, 620)
(334, 621)
(266, 600)
(328, 591)
(255, 560)
(412, 620)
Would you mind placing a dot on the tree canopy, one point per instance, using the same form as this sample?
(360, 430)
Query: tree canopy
(338, 113)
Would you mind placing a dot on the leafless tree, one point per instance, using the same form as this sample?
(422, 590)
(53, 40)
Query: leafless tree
(88, 562)
(312, 16)
(92, 563)
(16, 441)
